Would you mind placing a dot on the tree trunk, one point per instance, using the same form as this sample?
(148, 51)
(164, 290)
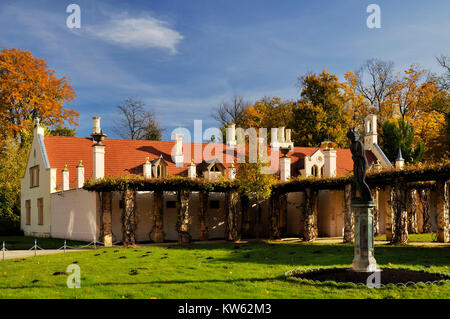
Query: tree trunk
(203, 216)
(129, 218)
(389, 225)
(233, 217)
(425, 198)
(183, 220)
(274, 215)
(157, 233)
(376, 213)
(412, 211)
(310, 215)
(106, 231)
(442, 211)
(349, 222)
(398, 200)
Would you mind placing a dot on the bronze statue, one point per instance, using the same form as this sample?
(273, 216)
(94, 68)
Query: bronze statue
(359, 167)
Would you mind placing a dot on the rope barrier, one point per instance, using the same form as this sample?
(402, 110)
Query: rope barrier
(64, 247)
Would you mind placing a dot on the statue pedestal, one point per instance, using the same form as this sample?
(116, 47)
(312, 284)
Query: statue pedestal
(364, 261)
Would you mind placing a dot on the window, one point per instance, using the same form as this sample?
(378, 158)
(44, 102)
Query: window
(214, 204)
(215, 168)
(34, 176)
(28, 212)
(322, 170)
(171, 204)
(314, 171)
(40, 205)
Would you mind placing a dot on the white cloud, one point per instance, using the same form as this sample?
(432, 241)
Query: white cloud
(146, 32)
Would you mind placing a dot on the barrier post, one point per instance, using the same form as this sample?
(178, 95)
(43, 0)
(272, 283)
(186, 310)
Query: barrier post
(95, 246)
(65, 245)
(35, 248)
(3, 249)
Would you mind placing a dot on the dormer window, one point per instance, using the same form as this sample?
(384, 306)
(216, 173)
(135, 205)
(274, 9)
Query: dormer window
(159, 167)
(213, 170)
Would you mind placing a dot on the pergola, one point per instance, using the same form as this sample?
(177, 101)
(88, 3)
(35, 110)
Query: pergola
(399, 184)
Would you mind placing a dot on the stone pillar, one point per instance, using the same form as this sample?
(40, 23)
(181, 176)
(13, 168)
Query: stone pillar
(400, 213)
(285, 168)
(425, 198)
(310, 214)
(157, 233)
(274, 215)
(203, 216)
(364, 260)
(183, 219)
(376, 221)
(65, 179)
(129, 218)
(233, 216)
(442, 211)
(389, 226)
(283, 214)
(348, 215)
(412, 211)
(106, 219)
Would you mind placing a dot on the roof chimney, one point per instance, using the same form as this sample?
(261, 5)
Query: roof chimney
(231, 135)
(192, 171)
(80, 175)
(178, 156)
(65, 178)
(147, 168)
(329, 153)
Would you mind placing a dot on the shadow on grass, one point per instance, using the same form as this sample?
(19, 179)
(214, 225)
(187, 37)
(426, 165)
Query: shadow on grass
(302, 254)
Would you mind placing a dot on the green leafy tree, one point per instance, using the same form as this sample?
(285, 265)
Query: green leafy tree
(320, 113)
(255, 185)
(400, 133)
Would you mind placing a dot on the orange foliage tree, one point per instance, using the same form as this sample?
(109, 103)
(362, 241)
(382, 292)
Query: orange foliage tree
(26, 84)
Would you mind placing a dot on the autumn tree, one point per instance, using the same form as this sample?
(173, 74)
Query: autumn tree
(320, 113)
(135, 122)
(27, 86)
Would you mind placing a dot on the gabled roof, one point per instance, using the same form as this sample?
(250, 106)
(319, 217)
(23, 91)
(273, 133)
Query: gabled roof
(126, 157)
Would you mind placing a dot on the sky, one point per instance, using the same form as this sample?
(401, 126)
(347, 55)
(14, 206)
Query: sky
(183, 58)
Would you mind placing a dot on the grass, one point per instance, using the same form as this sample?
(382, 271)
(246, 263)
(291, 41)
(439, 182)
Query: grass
(422, 238)
(24, 242)
(213, 271)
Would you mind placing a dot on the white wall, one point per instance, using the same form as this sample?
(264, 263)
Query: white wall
(75, 215)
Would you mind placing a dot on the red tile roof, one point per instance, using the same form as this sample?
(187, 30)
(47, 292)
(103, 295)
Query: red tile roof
(125, 157)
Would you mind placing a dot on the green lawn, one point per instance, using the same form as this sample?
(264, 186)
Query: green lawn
(429, 237)
(212, 271)
(24, 242)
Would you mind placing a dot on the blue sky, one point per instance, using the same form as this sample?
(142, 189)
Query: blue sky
(185, 57)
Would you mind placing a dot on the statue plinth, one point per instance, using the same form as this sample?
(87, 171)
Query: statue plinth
(364, 260)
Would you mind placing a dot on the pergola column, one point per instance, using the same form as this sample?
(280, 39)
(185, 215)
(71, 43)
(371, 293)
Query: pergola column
(442, 211)
(412, 211)
(183, 219)
(157, 233)
(246, 227)
(274, 215)
(349, 222)
(425, 198)
(400, 216)
(129, 218)
(389, 225)
(106, 232)
(203, 216)
(310, 214)
(376, 212)
(283, 214)
(233, 216)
